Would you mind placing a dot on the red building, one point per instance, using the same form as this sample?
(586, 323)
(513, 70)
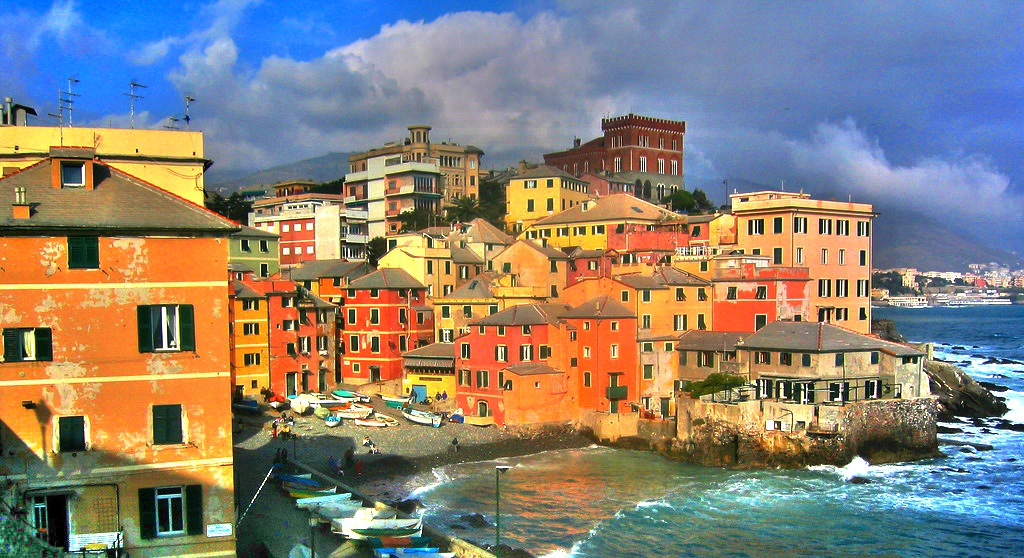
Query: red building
(630, 143)
(385, 315)
(606, 354)
(748, 294)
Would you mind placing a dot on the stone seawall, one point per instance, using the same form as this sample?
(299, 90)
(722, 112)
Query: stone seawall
(766, 433)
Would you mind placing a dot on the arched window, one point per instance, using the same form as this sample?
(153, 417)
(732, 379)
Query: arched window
(482, 409)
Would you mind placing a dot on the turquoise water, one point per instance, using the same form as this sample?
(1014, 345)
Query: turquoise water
(604, 502)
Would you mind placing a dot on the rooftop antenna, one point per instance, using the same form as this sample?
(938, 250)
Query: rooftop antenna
(189, 99)
(783, 181)
(66, 101)
(133, 95)
(173, 123)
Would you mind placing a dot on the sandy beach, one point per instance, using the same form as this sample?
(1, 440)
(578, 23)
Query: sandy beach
(405, 450)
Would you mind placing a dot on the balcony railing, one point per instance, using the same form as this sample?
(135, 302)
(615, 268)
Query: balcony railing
(616, 393)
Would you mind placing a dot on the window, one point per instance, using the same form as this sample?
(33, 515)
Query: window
(839, 391)
(597, 229)
(647, 347)
(645, 295)
(777, 256)
(322, 343)
(762, 357)
(705, 359)
(874, 357)
(501, 330)
(760, 320)
(501, 353)
(287, 302)
(777, 225)
(863, 228)
(643, 164)
(786, 359)
(374, 316)
(587, 379)
(264, 246)
(842, 256)
(645, 321)
(805, 359)
(464, 350)
(800, 225)
(669, 347)
(648, 371)
(824, 288)
(483, 378)
(170, 510)
(614, 351)
(526, 353)
(166, 327)
(285, 228)
(286, 251)
(824, 256)
(551, 204)
(167, 424)
(586, 352)
(353, 343)
(702, 294)
(842, 288)
(842, 227)
(872, 389)
(701, 324)
(762, 292)
(351, 316)
(374, 293)
(730, 293)
(465, 377)
(250, 329)
(28, 344)
(305, 344)
(863, 257)
(264, 270)
(71, 434)
(840, 359)
(83, 252)
(824, 226)
(799, 256)
(447, 335)
(251, 359)
(680, 295)
(245, 245)
(250, 304)
(545, 352)
(375, 344)
(72, 175)
(624, 296)
(755, 227)
(529, 205)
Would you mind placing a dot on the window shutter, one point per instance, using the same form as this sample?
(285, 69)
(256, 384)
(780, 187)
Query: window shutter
(194, 509)
(91, 252)
(44, 344)
(145, 329)
(147, 513)
(71, 433)
(187, 327)
(12, 345)
(159, 425)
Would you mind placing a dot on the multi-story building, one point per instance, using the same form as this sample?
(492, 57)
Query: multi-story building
(256, 251)
(311, 227)
(115, 368)
(385, 315)
(459, 166)
(389, 185)
(540, 192)
(249, 317)
(432, 260)
(606, 360)
(542, 269)
(831, 239)
(747, 293)
(429, 371)
(329, 279)
(480, 237)
(643, 151)
(593, 223)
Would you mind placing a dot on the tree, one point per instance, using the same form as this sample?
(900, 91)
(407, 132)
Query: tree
(680, 200)
(416, 219)
(233, 207)
(377, 247)
(714, 383)
(463, 210)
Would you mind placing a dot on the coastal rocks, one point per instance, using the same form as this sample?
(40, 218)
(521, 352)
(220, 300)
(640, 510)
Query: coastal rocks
(959, 394)
(859, 480)
(886, 329)
(475, 520)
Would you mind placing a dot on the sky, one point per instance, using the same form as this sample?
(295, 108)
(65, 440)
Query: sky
(903, 104)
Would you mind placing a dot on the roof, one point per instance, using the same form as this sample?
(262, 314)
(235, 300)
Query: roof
(525, 314)
(550, 252)
(477, 287)
(319, 302)
(579, 253)
(464, 256)
(387, 278)
(253, 231)
(242, 290)
(817, 337)
(531, 369)
(482, 231)
(546, 171)
(602, 307)
(119, 202)
(318, 269)
(430, 356)
(697, 340)
(667, 275)
(640, 282)
(616, 207)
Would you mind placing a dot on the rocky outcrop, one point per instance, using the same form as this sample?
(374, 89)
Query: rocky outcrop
(886, 329)
(959, 394)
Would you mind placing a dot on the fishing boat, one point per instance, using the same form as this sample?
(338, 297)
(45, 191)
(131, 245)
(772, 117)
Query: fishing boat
(370, 422)
(300, 493)
(351, 395)
(354, 411)
(321, 413)
(422, 417)
(398, 542)
(304, 478)
(360, 528)
(395, 404)
(310, 503)
(386, 418)
(332, 420)
(312, 487)
(278, 402)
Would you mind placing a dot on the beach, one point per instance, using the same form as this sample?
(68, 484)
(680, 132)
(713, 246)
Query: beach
(405, 450)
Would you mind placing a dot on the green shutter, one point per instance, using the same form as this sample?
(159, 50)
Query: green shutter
(186, 327)
(12, 345)
(145, 329)
(147, 513)
(71, 434)
(194, 509)
(83, 252)
(159, 425)
(167, 424)
(44, 344)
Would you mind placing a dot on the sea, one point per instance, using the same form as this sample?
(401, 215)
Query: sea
(605, 502)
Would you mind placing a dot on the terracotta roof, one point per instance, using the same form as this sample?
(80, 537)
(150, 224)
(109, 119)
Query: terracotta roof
(816, 337)
(525, 314)
(602, 307)
(617, 207)
(119, 203)
(477, 287)
(546, 171)
(387, 278)
(696, 340)
(254, 232)
(531, 369)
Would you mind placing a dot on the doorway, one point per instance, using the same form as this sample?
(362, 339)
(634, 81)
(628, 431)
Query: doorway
(50, 519)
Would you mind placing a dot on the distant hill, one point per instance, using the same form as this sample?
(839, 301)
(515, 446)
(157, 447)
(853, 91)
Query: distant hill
(324, 168)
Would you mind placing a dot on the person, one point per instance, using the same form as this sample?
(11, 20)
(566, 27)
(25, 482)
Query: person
(350, 457)
(359, 467)
(367, 442)
(273, 428)
(444, 395)
(455, 445)
(374, 449)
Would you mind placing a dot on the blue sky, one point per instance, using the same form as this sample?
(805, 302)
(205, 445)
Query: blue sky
(916, 104)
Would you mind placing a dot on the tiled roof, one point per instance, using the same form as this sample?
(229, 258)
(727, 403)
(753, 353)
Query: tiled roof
(316, 269)
(387, 278)
(525, 314)
(817, 337)
(696, 340)
(617, 207)
(119, 202)
(531, 369)
(674, 277)
(244, 291)
(547, 171)
(465, 256)
(602, 307)
(254, 232)
(551, 253)
(433, 350)
(480, 230)
(640, 282)
(477, 287)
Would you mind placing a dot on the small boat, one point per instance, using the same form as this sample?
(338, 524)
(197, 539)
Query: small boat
(308, 486)
(299, 493)
(398, 542)
(301, 551)
(479, 421)
(332, 420)
(304, 478)
(370, 422)
(354, 411)
(361, 528)
(424, 552)
(309, 503)
(394, 398)
(395, 404)
(245, 406)
(278, 402)
(321, 413)
(386, 418)
(422, 417)
(301, 403)
(345, 394)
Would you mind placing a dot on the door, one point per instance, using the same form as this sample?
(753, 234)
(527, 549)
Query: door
(322, 381)
(50, 519)
(419, 392)
(289, 384)
(664, 407)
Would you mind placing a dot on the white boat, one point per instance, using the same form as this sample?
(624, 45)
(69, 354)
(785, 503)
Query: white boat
(370, 422)
(332, 420)
(354, 411)
(309, 503)
(908, 301)
(422, 417)
(394, 398)
(360, 528)
(337, 510)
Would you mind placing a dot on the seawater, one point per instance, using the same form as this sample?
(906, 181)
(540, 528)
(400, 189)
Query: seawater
(604, 502)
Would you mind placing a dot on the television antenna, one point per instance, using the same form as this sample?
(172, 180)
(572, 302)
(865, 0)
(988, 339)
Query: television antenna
(133, 95)
(65, 102)
(189, 99)
(173, 123)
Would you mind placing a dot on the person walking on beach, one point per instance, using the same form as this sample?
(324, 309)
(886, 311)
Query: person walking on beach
(455, 445)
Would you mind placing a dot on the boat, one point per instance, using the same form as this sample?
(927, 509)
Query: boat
(395, 404)
(245, 406)
(370, 422)
(393, 398)
(345, 394)
(321, 413)
(422, 417)
(304, 478)
(301, 403)
(354, 411)
(479, 421)
(278, 402)
(308, 485)
(360, 528)
(908, 301)
(301, 551)
(332, 420)
(386, 418)
(425, 552)
(398, 542)
(299, 493)
(309, 503)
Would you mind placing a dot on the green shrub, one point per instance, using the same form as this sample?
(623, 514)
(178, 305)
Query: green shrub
(714, 383)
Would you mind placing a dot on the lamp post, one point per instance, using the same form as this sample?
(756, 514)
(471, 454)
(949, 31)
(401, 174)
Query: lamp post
(498, 471)
(312, 534)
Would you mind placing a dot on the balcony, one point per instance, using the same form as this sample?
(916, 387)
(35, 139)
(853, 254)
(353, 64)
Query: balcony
(355, 214)
(617, 393)
(354, 238)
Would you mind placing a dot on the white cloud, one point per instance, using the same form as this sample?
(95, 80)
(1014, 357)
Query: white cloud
(843, 158)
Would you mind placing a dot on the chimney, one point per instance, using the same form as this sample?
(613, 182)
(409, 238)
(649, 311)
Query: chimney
(576, 142)
(22, 210)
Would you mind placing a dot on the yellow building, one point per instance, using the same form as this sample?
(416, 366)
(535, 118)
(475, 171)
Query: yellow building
(590, 224)
(432, 260)
(250, 340)
(540, 269)
(169, 159)
(429, 370)
(538, 193)
(830, 238)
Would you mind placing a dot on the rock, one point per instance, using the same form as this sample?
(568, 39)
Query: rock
(993, 387)
(859, 480)
(957, 470)
(961, 395)
(966, 449)
(886, 329)
(475, 520)
(1007, 425)
(947, 430)
(958, 348)
(984, 487)
(408, 506)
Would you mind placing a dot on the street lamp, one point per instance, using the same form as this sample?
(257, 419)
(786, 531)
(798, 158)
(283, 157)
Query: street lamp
(313, 520)
(498, 471)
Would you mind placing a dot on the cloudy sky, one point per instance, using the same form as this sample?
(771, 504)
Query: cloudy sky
(915, 104)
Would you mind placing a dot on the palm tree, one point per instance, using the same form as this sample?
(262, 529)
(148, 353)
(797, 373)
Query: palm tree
(463, 210)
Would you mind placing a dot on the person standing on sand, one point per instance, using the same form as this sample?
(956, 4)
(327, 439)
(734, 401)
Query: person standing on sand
(455, 445)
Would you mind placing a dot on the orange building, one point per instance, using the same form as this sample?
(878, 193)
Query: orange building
(115, 373)
(606, 353)
(748, 293)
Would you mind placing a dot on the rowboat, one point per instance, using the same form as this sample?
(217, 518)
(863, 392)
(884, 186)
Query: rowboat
(391, 421)
(278, 402)
(321, 413)
(299, 493)
(422, 417)
(332, 420)
(479, 421)
(309, 486)
(351, 395)
(360, 528)
(246, 406)
(309, 503)
(354, 411)
(304, 478)
(425, 552)
(397, 542)
(370, 422)
(395, 404)
(394, 398)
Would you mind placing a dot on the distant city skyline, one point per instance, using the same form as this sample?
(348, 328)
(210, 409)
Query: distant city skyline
(913, 105)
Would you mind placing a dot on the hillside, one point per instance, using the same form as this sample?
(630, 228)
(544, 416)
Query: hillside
(324, 168)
